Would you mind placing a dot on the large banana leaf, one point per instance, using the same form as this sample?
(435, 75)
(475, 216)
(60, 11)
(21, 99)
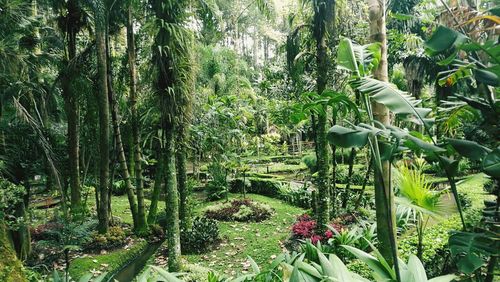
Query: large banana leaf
(395, 100)
(491, 163)
(357, 136)
(469, 149)
(443, 39)
(358, 59)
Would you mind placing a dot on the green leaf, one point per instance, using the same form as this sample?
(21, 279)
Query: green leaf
(345, 56)
(417, 269)
(486, 77)
(443, 39)
(394, 99)
(491, 163)
(169, 277)
(469, 263)
(85, 278)
(467, 247)
(372, 263)
(254, 265)
(469, 149)
(347, 137)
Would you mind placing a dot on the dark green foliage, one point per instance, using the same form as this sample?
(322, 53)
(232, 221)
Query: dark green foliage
(119, 188)
(203, 234)
(266, 187)
(239, 210)
(311, 162)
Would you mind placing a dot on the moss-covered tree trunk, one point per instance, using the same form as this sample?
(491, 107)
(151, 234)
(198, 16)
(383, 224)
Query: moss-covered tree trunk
(155, 196)
(70, 98)
(11, 268)
(182, 181)
(103, 108)
(136, 139)
(384, 195)
(172, 204)
(323, 16)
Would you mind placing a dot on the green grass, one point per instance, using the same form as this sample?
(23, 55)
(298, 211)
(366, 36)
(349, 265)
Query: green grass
(110, 262)
(260, 240)
(121, 208)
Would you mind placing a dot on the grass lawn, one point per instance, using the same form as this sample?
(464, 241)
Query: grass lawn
(261, 240)
(101, 263)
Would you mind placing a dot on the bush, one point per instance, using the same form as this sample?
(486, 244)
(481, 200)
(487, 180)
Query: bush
(204, 233)
(297, 195)
(262, 186)
(115, 238)
(217, 187)
(240, 210)
(119, 188)
(311, 162)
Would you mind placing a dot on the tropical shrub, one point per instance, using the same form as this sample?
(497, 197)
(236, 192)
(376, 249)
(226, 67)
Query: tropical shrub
(217, 187)
(240, 210)
(203, 234)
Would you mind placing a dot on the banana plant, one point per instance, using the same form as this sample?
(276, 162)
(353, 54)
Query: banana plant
(477, 65)
(385, 142)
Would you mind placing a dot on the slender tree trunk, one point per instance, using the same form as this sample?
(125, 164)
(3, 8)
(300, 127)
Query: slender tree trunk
(103, 107)
(384, 195)
(72, 114)
(122, 160)
(172, 204)
(365, 182)
(347, 191)
(323, 16)
(136, 139)
(159, 181)
(183, 188)
(121, 152)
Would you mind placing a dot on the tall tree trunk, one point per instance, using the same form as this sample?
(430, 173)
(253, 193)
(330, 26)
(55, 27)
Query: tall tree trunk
(159, 180)
(323, 16)
(72, 113)
(384, 195)
(136, 138)
(183, 188)
(115, 119)
(172, 204)
(103, 108)
(347, 191)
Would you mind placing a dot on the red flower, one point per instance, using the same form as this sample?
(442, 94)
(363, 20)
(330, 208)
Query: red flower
(315, 239)
(328, 234)
(304, 229)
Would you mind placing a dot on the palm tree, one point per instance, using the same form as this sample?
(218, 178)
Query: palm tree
(416, 193)
(103, 107)
(323, 21)
(174, 86)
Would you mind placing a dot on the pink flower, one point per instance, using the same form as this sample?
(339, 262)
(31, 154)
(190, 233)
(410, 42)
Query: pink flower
(328, 234)
(315, 239)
